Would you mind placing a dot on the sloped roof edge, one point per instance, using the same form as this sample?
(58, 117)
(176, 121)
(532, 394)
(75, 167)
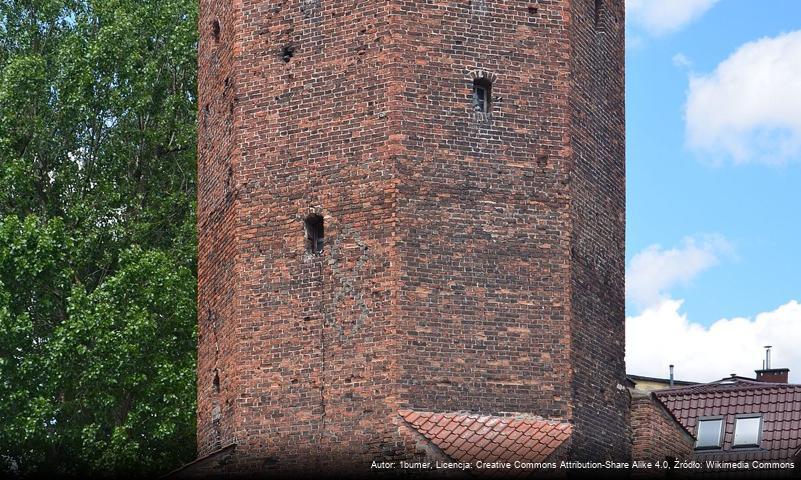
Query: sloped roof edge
(467, 437)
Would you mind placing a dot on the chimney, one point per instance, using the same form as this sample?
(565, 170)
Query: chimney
(671, 375)
(772, 375)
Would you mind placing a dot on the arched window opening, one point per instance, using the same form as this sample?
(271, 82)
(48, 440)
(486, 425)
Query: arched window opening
(482, 95)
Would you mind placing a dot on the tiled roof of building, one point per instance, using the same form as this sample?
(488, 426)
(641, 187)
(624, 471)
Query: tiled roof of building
(469, 438)
(778, 403)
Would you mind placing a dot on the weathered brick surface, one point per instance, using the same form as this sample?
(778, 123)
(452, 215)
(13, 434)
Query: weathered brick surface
(472, 261)
(484, 209)
(217, 216)
(656, 436)
(597, 203)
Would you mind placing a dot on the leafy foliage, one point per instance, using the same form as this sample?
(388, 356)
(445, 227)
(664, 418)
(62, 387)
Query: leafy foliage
(97, 235)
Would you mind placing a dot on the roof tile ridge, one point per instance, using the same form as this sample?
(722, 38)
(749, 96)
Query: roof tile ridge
(498, 415)
(739, 385)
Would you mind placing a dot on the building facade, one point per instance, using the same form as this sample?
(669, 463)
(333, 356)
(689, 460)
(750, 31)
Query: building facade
(753, 423)
(733, 427)
(410, 210)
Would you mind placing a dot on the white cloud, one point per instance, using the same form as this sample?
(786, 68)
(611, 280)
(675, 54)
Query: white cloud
(655, 270)
(660, 17)
(662, 335)
(749, 108)
(680, 60)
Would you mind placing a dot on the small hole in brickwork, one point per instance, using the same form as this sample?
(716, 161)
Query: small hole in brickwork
(287, 53)
(482, 95)
(533, 10)
(215, 31)
(216, 382)
(315, 234)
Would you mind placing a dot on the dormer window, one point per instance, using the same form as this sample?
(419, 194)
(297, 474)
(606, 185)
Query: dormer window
(482, 95)
(710, 433)
(747, 431)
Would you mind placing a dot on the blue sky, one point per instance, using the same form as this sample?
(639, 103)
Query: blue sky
(714, 185)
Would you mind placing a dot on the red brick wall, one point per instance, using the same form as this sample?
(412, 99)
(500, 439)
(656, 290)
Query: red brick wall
(655, 435)
(598, 198)
(483, 208)
(218, 161)
(471, 262)
(312, 348)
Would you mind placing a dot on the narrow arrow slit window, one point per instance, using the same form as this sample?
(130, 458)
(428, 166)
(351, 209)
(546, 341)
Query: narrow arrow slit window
(315, 234)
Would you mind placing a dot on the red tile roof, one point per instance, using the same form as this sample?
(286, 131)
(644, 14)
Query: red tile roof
(469, 438)
(778, 403)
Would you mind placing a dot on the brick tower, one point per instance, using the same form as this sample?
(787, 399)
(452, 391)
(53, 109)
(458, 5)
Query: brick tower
(411, 219)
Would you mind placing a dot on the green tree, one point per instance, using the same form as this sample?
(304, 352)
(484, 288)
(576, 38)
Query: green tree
(97, 235)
